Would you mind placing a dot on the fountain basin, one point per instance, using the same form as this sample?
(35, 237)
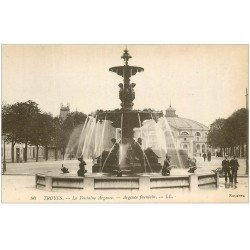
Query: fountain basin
(140, 182)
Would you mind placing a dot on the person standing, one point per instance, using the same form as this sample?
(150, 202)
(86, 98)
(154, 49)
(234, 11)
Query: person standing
(226, 168)
(204, 156)
(234, 167)
(209, 156)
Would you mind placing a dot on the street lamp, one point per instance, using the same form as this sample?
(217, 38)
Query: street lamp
(247, 136)
(4, 159)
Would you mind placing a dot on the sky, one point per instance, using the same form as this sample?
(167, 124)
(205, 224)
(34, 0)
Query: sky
(202, 82)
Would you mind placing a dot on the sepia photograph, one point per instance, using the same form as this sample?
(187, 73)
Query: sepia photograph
(125, 123)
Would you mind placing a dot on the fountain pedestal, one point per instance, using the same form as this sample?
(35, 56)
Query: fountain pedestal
(142, 184)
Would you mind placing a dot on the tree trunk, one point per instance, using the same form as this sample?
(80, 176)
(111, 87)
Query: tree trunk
(247, 159)
(37, 152)
(46, 153)
(13, 151)
(242, 150)
(56, 152)
(26, 152)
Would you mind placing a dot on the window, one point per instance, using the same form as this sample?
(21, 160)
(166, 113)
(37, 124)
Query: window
(184, 133)
(185, 139)
(197, 134)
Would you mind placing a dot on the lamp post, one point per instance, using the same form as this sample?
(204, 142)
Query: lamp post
(4, 159)
(247, 136)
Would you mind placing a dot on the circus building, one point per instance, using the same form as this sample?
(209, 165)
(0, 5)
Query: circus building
(187, 134)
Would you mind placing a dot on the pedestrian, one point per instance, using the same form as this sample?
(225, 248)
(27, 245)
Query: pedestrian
(234, 167)
(204, 156)
(226, 169)
(209, 156)
(166, 166)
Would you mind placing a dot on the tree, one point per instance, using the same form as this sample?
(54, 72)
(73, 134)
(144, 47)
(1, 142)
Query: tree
(11, 128)
(57, 134)
(67, 126)
(8, 127)
(42, 131)
(230, 132)
(23, 122)
(236, 129)
(216, 136)
(18, 120)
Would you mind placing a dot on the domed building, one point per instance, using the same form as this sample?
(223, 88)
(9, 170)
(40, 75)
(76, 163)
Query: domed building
(187, 134)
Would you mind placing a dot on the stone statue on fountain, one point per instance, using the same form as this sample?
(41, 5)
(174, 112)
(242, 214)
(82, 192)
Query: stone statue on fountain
(81, 171)
(127, 95)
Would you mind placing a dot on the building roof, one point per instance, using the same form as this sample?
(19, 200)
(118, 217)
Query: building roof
(171, 108)
(184, 123)
(65, 109)
(170, 112)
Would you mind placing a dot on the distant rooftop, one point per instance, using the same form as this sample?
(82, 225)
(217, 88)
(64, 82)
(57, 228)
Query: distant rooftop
(182, 123)
(64, 109)
(170, 112)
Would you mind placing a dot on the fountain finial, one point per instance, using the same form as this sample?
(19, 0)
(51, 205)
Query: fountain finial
(126, 56)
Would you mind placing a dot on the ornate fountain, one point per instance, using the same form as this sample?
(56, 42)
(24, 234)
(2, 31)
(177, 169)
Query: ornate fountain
(136, 159)
(123, 161)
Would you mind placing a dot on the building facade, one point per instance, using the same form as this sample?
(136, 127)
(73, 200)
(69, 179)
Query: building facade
(176, 132)
(64, 111)
(187, 134)
(19, 152)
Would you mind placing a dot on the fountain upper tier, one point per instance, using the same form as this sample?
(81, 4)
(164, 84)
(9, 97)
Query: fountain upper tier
(126, 70)
(126, 93)
(132, 116)
(126, 118)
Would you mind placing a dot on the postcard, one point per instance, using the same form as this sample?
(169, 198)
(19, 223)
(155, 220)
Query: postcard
(124, 123)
